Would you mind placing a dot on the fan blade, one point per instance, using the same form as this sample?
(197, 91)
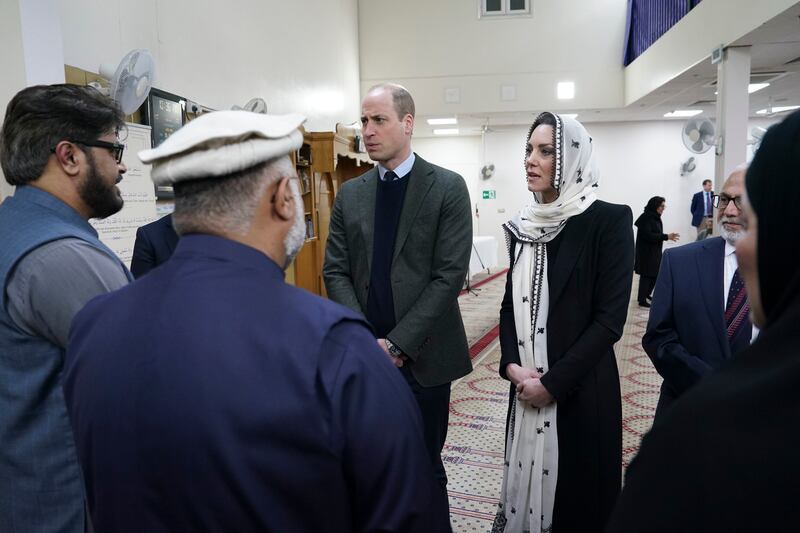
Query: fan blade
(132, 80)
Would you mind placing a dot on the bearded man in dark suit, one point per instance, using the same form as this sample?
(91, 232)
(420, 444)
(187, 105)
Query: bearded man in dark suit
(699, 316)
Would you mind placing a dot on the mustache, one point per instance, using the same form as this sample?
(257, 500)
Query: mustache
(732, 220)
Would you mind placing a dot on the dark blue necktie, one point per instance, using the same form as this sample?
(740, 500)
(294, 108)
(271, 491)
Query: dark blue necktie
(389, 176)
(708, 203)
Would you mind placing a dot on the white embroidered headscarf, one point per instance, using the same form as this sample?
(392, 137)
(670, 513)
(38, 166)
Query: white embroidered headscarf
(575, 178)
(531, 459)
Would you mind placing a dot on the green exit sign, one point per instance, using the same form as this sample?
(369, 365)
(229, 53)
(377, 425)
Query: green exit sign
(489, 195)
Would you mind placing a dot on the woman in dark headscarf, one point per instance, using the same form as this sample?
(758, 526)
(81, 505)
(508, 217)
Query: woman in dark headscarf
(649, 240)
(565, 306)
(725, 458)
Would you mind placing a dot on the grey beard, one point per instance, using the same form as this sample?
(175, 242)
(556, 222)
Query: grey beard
(297, 234)
(730, 236)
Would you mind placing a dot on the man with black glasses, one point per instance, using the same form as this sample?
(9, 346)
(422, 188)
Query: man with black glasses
(59, 146)
(699, 315)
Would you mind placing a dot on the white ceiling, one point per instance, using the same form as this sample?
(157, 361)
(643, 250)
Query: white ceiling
(775, 49)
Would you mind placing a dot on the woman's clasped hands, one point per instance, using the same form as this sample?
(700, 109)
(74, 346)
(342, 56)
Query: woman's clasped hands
(529, 385)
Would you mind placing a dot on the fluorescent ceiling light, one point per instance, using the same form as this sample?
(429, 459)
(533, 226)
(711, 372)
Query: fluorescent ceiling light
(683, 113)
(446, 131)
(570, 115)
(565, 90)
(777, 109)
(442, 121)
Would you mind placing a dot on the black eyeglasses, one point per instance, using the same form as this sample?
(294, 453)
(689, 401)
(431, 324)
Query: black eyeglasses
(722, 201)
(117, 149)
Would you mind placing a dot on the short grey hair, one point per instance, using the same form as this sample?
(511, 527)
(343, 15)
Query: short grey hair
(225, 205)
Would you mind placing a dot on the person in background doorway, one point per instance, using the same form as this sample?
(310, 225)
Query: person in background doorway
(565, 306)
(650, 239)
(702, 210)
(59, 146)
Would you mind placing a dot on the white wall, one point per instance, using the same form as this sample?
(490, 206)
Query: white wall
(428, 46)
(12, 64)
(42, 42)
(459, 154)
(300, 56)
(637, 160)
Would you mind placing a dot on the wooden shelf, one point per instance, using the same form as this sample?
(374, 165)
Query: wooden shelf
(331, 161)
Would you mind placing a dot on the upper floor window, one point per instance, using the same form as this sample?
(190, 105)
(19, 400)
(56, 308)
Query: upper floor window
(494, 8)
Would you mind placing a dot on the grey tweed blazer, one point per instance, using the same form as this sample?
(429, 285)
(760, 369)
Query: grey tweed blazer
(431, 257)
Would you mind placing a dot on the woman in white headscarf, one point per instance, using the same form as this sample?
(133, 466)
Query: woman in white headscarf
(565, 305)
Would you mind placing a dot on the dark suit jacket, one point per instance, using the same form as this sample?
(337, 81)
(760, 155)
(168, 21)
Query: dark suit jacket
(155, 243)
(686, 337)
(698, 208)
(431, 257)
(590, 287)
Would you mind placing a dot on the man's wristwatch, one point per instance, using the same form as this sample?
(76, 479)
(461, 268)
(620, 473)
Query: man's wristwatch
(394, 351)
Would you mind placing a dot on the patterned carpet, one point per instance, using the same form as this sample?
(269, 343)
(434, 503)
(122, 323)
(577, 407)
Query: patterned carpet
(473, 453)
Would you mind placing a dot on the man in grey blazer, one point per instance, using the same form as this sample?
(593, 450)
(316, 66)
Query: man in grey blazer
(398, 251)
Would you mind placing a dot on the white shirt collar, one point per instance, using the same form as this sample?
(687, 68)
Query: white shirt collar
(401, 170)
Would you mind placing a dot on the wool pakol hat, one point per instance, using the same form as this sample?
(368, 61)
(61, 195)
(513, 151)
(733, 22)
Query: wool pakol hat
(221, 143)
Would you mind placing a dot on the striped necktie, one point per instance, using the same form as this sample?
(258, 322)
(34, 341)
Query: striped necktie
(737, 315)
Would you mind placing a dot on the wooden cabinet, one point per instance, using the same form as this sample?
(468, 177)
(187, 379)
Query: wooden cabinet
(323, 163)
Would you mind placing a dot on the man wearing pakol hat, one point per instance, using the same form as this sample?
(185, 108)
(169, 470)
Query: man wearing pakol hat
(59, 147)
(210, 395)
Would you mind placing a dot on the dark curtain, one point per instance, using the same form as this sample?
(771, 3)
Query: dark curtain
(650, 19)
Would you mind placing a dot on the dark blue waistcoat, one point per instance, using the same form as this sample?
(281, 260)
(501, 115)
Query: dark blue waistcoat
(215, 355)
(40, 481)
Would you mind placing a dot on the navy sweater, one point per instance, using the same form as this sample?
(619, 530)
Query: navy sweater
(380, 301)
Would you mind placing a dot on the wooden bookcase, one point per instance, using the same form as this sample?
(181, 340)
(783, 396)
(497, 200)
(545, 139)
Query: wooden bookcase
(304, 266)
(323, 163)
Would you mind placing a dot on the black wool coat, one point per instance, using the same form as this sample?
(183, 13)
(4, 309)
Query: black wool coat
(590, 286)
(649, 242)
